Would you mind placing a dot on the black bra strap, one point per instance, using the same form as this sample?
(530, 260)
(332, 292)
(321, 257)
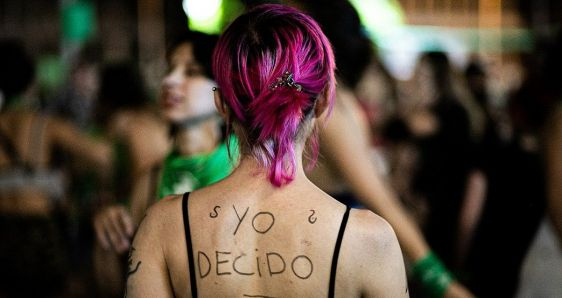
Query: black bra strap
(331, 290)
(9, 148)
(188, 244)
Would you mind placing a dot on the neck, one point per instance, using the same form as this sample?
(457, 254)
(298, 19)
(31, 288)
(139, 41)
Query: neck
(195, 120)
(250, 171)
(199, 139)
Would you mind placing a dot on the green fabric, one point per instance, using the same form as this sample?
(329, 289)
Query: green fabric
(432, 274)
(78, 20)
(182, 174)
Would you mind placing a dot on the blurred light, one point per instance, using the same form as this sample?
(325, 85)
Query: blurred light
(400, 44)
(380, 17)
(204, 15)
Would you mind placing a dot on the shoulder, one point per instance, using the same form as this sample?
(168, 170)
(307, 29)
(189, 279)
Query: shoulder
(131, 123)
(164, 211)
(373, 231)
(375, 255)
(148, 273)
(129, 120)
(159, 226)
(159, 219)
(145, 135)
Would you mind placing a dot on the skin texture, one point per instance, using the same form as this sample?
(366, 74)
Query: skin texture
(370, 262)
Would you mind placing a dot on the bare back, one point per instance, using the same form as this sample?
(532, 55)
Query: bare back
(33, 138)
(265, 243)
(26, 133)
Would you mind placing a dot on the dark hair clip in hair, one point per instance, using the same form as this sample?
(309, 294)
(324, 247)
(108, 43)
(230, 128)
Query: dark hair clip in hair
(286, 80)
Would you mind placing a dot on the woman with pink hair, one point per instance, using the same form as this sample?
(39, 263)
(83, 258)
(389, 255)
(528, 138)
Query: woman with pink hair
(266, 230)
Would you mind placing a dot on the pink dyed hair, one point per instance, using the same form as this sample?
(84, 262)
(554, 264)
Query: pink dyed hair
(254, 51)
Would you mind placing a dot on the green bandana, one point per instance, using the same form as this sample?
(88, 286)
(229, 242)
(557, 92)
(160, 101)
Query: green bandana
(182, 174)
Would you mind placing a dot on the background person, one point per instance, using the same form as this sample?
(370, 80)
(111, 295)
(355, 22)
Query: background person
(345, 143)
(186, 152)
(33, 201)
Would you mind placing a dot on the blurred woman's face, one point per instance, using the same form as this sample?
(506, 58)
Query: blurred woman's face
(185, 91)
(425, 83)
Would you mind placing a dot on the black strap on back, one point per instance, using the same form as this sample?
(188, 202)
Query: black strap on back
(331, 290)
(9, 148)
(189, 247)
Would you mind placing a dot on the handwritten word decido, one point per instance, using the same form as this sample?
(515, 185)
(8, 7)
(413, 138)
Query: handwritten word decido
(271, 263)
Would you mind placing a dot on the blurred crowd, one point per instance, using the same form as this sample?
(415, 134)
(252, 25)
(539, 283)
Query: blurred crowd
(477, 171)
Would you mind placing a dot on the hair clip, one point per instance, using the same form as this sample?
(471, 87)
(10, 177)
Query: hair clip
(286, 80)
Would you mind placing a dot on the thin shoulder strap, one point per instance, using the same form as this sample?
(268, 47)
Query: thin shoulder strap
(331, 291)
(188, 245)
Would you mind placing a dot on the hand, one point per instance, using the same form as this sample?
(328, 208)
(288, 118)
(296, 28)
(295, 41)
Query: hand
(114, 228)
(456, 290)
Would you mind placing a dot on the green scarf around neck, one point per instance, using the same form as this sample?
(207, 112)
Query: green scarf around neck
(182, 174)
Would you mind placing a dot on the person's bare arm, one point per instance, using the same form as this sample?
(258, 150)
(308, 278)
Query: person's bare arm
(147, 274)
(96, 154)
(475, 197)
(344, 143)
(146, 143)
(147, 139)
(554, 174)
